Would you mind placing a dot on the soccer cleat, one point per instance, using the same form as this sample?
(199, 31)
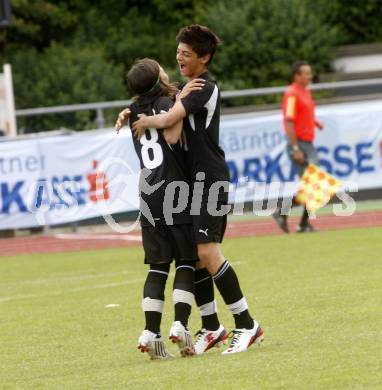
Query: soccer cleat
(206, 339)
(281, 220)
(153, 344)
(305, 228)
(181, 336)
(243, 338)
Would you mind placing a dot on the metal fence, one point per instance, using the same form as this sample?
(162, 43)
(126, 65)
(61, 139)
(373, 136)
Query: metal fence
(100, 107)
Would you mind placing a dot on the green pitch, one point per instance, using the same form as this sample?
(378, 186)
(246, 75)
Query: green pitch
(318, 297)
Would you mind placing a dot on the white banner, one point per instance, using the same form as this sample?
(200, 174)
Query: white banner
(349, 147)
(52, 180)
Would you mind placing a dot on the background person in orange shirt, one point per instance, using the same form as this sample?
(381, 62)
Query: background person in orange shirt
(299, 125)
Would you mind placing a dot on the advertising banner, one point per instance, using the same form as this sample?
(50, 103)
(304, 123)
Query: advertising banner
(67, 178)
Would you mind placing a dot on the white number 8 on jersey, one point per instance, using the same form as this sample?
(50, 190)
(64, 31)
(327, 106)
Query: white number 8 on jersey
(156, 158)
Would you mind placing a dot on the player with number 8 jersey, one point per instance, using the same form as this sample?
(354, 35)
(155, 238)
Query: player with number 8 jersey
(163, 242)
(166, 162)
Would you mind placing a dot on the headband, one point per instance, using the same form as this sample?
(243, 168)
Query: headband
(155, 85)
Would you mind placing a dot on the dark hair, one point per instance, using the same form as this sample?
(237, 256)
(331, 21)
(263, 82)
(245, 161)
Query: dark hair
(296, 67)
(143, 78)
(202, 40)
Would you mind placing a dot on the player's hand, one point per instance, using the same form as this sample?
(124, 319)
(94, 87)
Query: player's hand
(193, 85)
(319, 125)
(140, 126)
(122, 119)
(298, 156)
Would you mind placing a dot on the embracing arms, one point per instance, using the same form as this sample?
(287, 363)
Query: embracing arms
(171, 121)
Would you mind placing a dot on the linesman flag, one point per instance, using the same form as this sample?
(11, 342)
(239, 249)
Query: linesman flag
(316, 188)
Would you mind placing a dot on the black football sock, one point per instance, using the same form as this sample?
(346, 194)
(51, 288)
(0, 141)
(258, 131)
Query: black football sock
(205, 299)
(305, 218)
(153, 320)
(183, 291)
(228, 285)
(153, 296)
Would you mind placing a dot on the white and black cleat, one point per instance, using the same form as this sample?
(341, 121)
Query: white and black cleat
(181, 336)
(153, 344)
(243, 338)
(207, 339)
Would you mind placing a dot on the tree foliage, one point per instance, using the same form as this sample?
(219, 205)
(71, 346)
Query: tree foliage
(75, 51)
(357, 21)
(261, 39)
(64, 76)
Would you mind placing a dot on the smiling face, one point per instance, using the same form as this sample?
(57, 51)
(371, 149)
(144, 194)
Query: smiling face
(190, 65)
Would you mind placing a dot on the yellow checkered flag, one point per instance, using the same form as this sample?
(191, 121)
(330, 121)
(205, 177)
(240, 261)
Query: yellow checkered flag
(316, 188)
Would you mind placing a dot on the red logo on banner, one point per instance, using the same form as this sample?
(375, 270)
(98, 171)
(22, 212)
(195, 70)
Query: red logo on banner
(98, 184)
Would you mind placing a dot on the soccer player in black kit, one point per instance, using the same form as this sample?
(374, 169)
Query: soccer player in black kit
(161, 164)
(200, 111)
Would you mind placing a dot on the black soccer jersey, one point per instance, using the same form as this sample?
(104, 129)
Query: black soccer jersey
(202, 132)
(166, 162)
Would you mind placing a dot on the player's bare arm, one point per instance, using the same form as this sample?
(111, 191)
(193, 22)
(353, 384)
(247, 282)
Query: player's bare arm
(173, 134)
(122, 119)
(160, 121)
(193, 85)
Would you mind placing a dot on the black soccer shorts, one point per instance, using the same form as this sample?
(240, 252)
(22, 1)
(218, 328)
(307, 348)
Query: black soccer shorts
(209, 228)
(163, 243)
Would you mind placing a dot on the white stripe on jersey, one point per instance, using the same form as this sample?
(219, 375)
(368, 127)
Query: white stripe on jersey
(211, 105)
(191, 119)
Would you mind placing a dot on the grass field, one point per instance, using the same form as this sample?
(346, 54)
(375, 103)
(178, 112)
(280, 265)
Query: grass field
(318, 298)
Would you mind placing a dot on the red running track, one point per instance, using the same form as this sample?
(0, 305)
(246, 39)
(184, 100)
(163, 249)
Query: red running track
(93, 241)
